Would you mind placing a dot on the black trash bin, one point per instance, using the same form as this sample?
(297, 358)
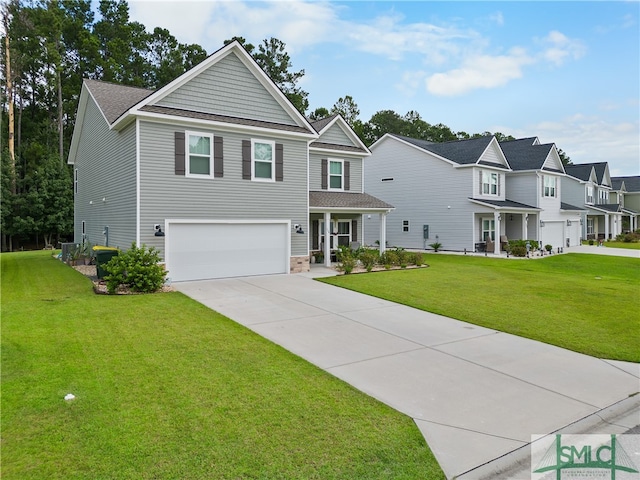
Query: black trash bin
(103, 255)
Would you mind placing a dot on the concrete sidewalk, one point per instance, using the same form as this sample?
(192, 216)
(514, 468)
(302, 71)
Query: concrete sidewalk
(476, 395)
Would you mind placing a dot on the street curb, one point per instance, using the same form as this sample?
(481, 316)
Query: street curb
(516, 465)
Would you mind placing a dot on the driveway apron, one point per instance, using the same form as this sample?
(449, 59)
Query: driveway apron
(475, 394)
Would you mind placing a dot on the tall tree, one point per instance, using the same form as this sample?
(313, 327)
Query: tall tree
(9, 92)
(347, 108)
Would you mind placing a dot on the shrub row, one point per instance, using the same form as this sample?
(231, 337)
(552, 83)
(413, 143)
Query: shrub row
(370, 257)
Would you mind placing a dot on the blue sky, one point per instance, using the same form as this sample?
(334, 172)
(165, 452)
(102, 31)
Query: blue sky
(567, 72)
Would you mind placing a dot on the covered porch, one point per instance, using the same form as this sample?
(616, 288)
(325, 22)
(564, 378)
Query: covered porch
(604, 222)
(501, 221)
(336, 219)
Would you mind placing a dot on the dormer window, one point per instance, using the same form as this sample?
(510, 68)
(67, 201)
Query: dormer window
(603, 196)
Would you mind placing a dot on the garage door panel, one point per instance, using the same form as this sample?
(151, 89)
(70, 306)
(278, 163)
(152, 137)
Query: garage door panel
(553, 234)
(218, 250)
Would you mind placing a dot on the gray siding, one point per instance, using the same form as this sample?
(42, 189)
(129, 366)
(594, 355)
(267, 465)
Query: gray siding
(315, 173)
(424, 191)
(166, 195)
(492, 155)
(228, 88)
(523, 188)
(336, 136)
(106, 170)
(573, 192)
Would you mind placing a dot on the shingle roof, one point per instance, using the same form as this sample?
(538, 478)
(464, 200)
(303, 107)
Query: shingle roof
(632, 183)
(580, 171)
(318, 125)
(505, 203)
(609, 207)
(523, 155)
(333, 146)
(114, 99)
(222, 118)
(583, 170)
(566, 206)
(346, 200)
(463, 152)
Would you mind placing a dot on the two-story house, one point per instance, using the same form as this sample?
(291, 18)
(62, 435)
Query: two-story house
(452, 193)
(212, 169)
(337, 201)
(626, 192)
(589, 185)
(536, 179)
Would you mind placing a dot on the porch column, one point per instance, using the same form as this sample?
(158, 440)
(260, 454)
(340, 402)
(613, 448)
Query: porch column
(496, 246)
(383, 232)
(327, 239)
(524, 225)
(606, 226)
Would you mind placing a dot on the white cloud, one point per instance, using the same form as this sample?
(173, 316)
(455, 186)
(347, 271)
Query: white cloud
(480, 71)
(589, 138)
(558, 48)
(497, 18)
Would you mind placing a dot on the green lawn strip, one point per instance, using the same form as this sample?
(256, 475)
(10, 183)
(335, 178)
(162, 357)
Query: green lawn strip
(167, 388)
(585, 303)
(627, 245)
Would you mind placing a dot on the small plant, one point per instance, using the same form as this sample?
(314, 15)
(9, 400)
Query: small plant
(548, 247)
(389, 258)
(591, 241)
(137, 268)
(417, 259)
(347, 259)
(519, 251)
(436, 246)
(319, 256)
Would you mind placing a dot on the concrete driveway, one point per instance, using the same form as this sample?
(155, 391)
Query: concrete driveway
(477, 395)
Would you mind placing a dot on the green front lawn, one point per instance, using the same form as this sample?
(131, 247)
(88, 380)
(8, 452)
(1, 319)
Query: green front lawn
(586, 303)
(166, 388)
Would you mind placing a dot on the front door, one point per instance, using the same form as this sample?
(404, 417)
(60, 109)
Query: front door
(340, 233)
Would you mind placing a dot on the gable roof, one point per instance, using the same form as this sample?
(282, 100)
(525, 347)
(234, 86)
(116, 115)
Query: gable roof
(462, 152)
(631, 183)
(336, 121)
(580, 171)
(525, 154)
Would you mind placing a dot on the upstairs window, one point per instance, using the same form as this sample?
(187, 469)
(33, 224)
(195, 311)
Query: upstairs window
(603, 196)
(490, 183)
(549, 186)
(590, 194)
(263, 156)
(200, 151)
(335, 174)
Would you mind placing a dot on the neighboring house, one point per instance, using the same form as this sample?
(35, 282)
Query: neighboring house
(213, 169)
(589, 185)
(453, 193)
(337, 202)
(536, 179)
(626, 191)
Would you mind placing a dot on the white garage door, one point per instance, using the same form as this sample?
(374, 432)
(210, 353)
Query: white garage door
(573, 233)
(553, 234)
(197, 250)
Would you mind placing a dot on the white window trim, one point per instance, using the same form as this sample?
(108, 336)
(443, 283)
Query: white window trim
(334, 228)
(482, 230)
(406, 226)
(341, 162)
(253, 160)
(75, 180)
(187, 170)
(550, 191)
(589, 194)
(490, 183)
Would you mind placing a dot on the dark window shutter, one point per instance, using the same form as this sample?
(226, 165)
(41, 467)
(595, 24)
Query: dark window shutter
(179, 153)
(325, 174)
(347, 175)
(279, 162)
(354, 230)
(499, 183)
(246, 160)
(315, 228)
(218, 159)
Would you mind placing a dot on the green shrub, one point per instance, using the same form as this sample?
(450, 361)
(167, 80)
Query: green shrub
(523, 243)
(347, 258)
(137, 268)
(631, 237)
(389, 258)
(417, 259)
(369, 257)
(519, 251)
(548, 247)
(591, 241)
